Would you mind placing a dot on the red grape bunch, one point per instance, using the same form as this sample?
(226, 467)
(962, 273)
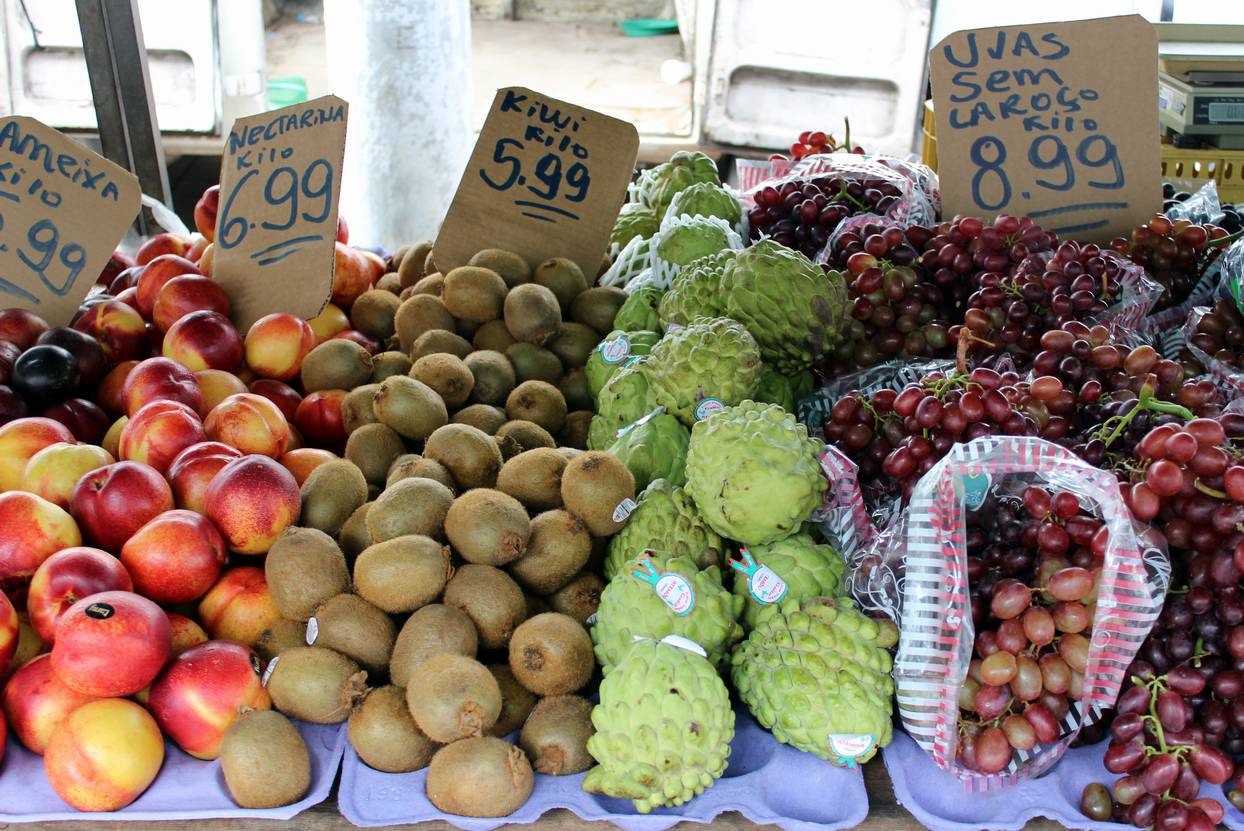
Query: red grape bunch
(1175, 253)
(816, 142)
(803, 212)
(964, 249)
(1220, 334)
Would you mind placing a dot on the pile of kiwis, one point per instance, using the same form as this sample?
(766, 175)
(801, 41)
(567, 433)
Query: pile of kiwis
(437, 593)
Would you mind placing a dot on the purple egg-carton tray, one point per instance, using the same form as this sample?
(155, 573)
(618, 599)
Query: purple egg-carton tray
(767, 782)
(186, 787)
(940, 801)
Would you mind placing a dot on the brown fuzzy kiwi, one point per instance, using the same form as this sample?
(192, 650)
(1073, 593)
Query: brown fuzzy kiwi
(593, 486)
(516, 701)
(534, 478)
(574, 344)
(492, 336)
(429, 264)
(394, 261)
(484, 417)
(315, 684)
(357, 629)
(440, 340)
(575, 391)
(512, 268)
(532, 314)
(494, 376)
(373, 447)
(304, 568)
(491, 598)
(410, 506)
(336, 364)
(402, 574)
(480, 777)
(523, 436)
(474, 293)
(433, 284)
(556, 733)
(453, 697)
(387, 364)
(470, 454)
(410, 269)
(384, 735)
(410, 407)
(434, 629)
(558, 549)
(354, 537)
(391, 283)
(606, 262)
(447, 375)
(551, 654)
(570, 453)
(466, 328)
(597, 307)
(373, 312)
(534, 363)
(280, 636)
(563, 277)
(332, 492)
(420, 313)
(265, 761)
(487, 526)
(406, 293)
(574, 432)
(538, 402)
(580, 598)
(356, 407)
(414, 466)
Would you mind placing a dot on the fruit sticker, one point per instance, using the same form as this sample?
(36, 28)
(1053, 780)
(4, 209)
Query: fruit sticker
(763, 583)
(313, 631)
(267, 673)
(99, 611)
(625, 508)
(682, 643)
(674, 590)
(707, 407)
(628, 428)
(615, 351)
(975, 489)
(845, 748)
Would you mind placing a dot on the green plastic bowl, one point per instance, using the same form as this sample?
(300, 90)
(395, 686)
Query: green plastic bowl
(642, 27)
(285, 92)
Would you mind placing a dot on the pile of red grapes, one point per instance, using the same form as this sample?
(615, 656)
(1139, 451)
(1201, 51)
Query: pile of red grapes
(964, 249)
(1175, 253)
(1220, 334)
(803, 212)
(817, 142)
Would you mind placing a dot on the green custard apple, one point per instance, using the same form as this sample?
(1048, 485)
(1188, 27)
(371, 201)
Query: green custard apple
(710, 358)
(666, 521)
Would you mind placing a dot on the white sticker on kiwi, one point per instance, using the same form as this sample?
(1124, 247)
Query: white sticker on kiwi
(625, 508)
(313, 631)
(267, 673)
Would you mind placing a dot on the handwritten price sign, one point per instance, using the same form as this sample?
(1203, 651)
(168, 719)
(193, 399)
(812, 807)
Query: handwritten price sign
(63, 209)
(546, 179)
(1032, 120)
(277, 226)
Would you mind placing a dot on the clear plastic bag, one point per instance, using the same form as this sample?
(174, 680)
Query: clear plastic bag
(1226, 376)
(1200, 208)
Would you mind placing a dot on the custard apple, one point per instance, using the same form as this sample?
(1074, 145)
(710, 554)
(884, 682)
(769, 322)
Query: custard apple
(684, 169)
(630, 606)
(796, 311)
(634, 220)
(638, 312)
(696, 291)
(706, 199)
(754, 473)
(710, 358)
(619, 351)
(665, 521)
(624, 399)
(809, 569)
(679, 244)
(663, 727)
(784, 390)
(812, 669)
(654, 449)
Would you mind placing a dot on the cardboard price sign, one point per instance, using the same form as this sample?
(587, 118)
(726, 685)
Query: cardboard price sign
(1058, 121)
(63, 209)
(276, 230)
(546, 179)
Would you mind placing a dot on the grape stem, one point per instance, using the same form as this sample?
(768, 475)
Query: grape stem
(1145, 401)
(1207, 490)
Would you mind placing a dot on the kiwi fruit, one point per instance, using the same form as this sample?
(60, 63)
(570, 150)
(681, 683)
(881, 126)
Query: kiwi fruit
(492, 336)
(394, 261)
(440, 340)
(580, 598)
(414, 466)
(410, 506)
(373, 312)
(410, 407)
(431, 630)
(400, 575)
(488, 527)
(570, 453)
(575, 391)
(534, 478)
(574, 344)
(373, 447)
(494, 376)
(420, 313)
(453, 697)
(536, 605)
(574, 432)
(384, 735)
(387, 364)
(410, 269)
(491, 598)
(316, 684)
(447, 375)
(470, 454)
(433, 284)
(466, 328)
(406, 293)
(534, 363)
(563, 277)
(555, 735)
(304, 568)
(593, 486)
(551, 654)
(474, 293)
(558, 549)
(354, 537)
(479, 777)
(356, 407)
(483, 417)
(348, 624)
(523, 435)
(391, 283)
(336, 364)
(597, 307)
(280, 636)
(512, 268)
(516, 701)
(332, 492)
(265, 761)
(429, 264)
(538, 402)
(532, 314)
(606, 263)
